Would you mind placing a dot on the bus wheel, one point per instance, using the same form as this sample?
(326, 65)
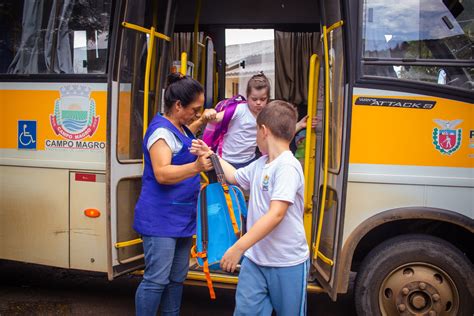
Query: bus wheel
(415, 275)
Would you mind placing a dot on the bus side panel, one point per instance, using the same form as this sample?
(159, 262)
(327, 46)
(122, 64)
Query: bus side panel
(49, 128)
(401, 155)
(88, 234)
(65, 125)
(393, 128)
(365, 200)
(34, 219)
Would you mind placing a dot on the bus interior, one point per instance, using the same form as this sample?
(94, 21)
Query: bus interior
(284, 59)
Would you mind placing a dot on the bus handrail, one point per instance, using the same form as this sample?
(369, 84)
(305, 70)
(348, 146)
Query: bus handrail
(147, 31)
(128, 243)
(196, 38)
(149, 55)
(184, 63)
(313, 83)
(318, 253)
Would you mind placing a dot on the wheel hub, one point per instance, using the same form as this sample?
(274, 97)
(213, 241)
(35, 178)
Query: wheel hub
(418, 289)
(419, 300)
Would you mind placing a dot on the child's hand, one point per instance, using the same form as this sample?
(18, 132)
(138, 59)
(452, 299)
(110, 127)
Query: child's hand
(302, 123)
(208, 115)
(199, 148)
(231, 258)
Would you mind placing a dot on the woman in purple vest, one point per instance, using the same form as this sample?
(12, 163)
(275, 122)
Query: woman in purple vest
(165, 214)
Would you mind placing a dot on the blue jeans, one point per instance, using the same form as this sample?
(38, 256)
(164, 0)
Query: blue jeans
(166, 268)
(262, 289)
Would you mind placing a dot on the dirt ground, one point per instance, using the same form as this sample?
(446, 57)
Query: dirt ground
(27, 289)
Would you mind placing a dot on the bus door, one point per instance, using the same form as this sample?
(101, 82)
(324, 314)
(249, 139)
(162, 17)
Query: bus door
(138, 58)
(329, 192)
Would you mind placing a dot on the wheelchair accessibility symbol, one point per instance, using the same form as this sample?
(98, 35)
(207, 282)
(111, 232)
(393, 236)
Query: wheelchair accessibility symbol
(26, 134)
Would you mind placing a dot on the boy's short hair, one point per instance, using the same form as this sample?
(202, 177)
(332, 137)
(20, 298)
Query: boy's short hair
(280, 118)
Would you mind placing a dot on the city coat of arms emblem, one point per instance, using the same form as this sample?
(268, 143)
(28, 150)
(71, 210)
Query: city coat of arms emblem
(447, 139)
(74, 115)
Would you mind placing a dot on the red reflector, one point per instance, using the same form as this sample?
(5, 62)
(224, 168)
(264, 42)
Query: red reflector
(85, 177)
(92, 212)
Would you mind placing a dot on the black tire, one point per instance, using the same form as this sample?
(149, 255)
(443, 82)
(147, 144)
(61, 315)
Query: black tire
(393, 261)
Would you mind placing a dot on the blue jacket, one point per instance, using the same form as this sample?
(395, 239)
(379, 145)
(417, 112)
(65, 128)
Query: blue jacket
(167, 210)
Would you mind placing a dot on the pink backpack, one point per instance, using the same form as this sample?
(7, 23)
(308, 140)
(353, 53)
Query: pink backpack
(213, 134)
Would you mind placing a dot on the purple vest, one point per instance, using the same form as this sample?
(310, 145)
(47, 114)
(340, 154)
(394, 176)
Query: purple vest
(167, 210)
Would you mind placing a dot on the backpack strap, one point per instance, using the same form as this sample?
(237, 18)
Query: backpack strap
(233, 219)
(205, 269)
(242, 212)
(204, 241)
(229, 110)
(221, 178)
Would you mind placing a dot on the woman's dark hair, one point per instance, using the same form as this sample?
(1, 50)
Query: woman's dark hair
(182, 88)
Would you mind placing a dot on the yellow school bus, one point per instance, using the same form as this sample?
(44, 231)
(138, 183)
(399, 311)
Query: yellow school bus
(389, 173)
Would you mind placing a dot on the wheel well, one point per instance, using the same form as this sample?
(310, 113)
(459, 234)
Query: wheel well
(456, 235)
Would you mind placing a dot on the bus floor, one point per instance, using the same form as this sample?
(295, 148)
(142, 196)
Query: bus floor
(27, 289)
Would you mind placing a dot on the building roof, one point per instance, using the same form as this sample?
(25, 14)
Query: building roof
(258, 56)
(267, 68)
(235, 53)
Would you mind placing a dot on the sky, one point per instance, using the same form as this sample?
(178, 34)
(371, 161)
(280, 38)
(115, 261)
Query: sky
(240, 36)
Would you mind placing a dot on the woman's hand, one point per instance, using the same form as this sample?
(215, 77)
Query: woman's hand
(208, 115)
(302, 123)
(203, 163)
(199, 148)
(231, 258)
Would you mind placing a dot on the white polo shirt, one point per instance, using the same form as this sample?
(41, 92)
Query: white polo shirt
(282, 180)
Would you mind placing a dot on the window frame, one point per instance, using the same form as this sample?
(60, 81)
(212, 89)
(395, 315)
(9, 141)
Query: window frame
(404, 85)
(116, 75)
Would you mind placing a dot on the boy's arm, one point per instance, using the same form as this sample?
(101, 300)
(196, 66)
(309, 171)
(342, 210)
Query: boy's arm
(229, 171)
(200, 148)
(259, 230)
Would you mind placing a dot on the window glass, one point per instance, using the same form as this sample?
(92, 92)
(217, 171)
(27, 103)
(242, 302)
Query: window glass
(132, 56)
(336, 98)
(419, 29)
(332, 12)
(128, 191)
(54, 37)
(329, 229)
(248, 52)
(416, 31)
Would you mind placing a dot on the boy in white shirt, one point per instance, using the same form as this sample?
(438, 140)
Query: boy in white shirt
(273, 273)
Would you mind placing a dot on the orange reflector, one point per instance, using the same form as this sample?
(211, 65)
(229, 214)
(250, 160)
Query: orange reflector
(92, 212)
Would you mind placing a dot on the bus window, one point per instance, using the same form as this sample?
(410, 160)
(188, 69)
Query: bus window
(54, 37)
(328, 237)
(336, 98)
(332, 12)
(417, 39)
(132, 63)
